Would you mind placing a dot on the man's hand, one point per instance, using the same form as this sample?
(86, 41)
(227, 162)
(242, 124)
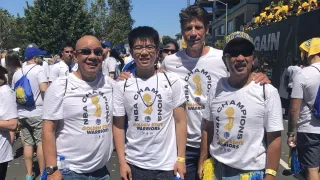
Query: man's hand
(180, 167)
(125, 172)
(200, 169)
(55, 176)
(260, 78)
(124, 76)
(292, 142)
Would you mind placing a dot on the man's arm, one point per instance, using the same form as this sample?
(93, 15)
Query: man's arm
(273, 152)
(180, 118)
(43, 88)
(49, 142)
(119, 138)
(8, 125)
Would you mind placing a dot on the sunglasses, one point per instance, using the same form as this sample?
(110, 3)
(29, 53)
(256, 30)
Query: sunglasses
(87, 51)
(68, 52)
(169, 50)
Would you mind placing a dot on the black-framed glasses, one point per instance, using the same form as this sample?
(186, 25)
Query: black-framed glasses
(148, 48)
(172, 51)
(87, 51)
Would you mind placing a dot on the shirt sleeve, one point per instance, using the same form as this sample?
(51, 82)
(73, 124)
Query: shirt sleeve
(112, 64)
(298, 85)
(118, 99)
(53, 100)
(41, 76)
(163, 64)
(46, 68)
(8, 106)
(178, 93)
(273, 119)
(54, 73)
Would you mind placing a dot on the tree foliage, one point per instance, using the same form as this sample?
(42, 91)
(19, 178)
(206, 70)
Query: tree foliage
(6, 26)
(119, 22)
(99, 12)
(49, 23)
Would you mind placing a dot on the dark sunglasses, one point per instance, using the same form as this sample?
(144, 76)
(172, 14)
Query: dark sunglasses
(87, 51)
(68, 52)
(169, 50)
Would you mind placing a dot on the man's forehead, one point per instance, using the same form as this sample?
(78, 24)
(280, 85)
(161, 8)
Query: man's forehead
(88, 42)
(144, 42)
(194, 22)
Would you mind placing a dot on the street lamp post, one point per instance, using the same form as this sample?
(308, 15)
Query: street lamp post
(226, 4)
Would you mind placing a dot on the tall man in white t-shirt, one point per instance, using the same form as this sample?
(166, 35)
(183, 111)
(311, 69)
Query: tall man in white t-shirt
(63, 67)
(155, 105)
(78, 118)
(237, 114)
(301, 120)
(199, 67)
(30, 116)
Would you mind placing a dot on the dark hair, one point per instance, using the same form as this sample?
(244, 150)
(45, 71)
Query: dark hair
(143, 33)
(115, 54)
(12, 63)
(194, 12)
(172, 41)
(64, 45)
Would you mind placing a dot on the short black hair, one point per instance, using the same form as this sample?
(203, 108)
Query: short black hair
(66, 44)
(172, 41)
(143, 33)
(194, 12)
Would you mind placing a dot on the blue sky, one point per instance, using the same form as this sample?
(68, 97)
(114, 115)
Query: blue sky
(163, 15)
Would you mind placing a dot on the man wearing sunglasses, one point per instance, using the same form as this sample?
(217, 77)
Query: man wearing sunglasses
(170, 47)
(241, 111)
(109, 64)
(78, 118)
(64, 66)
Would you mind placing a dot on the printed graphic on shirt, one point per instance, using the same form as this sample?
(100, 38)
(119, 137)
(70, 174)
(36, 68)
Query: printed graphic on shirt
(150, 110)
(226, 124)
(92, 122)
(202, 81)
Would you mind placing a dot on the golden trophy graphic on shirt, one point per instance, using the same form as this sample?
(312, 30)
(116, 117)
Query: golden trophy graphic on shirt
(197, 80)
(95, 102)
(229, 112)
(147, 100)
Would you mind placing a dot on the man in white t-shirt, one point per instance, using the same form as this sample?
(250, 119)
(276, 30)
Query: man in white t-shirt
(199, 67)
(109, 65)
(78, 118)
(291, 71)
(237, 114)
(30, 117)
(63, 67)
(154, 103)
(8, 121)
(301, 119)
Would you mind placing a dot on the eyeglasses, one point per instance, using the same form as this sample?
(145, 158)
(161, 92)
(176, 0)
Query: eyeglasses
(87, 51)
(172, 51)
(68, 52)
(148, 48)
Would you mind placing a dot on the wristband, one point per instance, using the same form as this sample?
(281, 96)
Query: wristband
(271, 172)
(181, 159)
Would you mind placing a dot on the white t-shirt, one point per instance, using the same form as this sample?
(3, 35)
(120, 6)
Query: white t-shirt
(198, 76)
(128, 59)
(291, 72)
(84, 112)
(61, 69)
(36, 76)
(240, 117)
(8, 110)
(305, 86)
(45, 66)
(109, 65)
(150, 129)
(3, 62)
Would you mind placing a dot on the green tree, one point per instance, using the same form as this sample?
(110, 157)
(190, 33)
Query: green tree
(98, 12)
(49, 23)
(6, 26)
(119, 22)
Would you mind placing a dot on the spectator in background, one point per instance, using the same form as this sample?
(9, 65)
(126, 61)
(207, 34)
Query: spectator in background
(290, 73)
(63, 67)
(109, 64)
(2, 57)
(120, 62)
(8, 122)
(170, 46)
(12, 65)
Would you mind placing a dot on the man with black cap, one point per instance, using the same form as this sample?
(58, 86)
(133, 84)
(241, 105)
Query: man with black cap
(109, 64)
(237, 114)
(30, 117)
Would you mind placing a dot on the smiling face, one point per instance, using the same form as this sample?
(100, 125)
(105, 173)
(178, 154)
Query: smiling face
(144, 53)
(194, 33)
(89, 55)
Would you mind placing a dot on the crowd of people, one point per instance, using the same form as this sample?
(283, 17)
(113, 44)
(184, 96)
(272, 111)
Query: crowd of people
(284, 9)
(168, 114)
